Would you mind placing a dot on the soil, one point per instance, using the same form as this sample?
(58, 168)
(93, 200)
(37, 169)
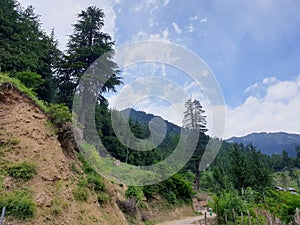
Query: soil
(52, 187)
(189, 220)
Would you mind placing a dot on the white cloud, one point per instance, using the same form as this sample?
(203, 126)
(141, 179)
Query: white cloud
(253, 87)
(204, 20)
(176, 28)
(191, 29)
(166, 2)
(277, 110)
(143, 36)
(270, 80)
(193, 18)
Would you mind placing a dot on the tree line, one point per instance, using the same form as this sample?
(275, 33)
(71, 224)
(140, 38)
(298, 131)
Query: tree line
(32, 56)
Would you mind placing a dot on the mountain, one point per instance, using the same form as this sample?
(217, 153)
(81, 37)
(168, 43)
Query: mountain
(270, 143)
(145, 118)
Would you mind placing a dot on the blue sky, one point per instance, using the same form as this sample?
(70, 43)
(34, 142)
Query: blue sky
(251, 46)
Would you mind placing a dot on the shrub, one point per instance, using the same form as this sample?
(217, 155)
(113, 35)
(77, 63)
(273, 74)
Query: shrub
(135, 193)
(59, 114)
(176, 189)
(96, 181)
(81, 194)
(18, 204)
(103, 198)
(171, 197)
(24, 170)
(30, 79)
(150, 190)
(128, 206)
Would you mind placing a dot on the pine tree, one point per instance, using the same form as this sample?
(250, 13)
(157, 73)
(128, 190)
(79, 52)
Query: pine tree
(24, 47)
(85, 46)
(194, 120)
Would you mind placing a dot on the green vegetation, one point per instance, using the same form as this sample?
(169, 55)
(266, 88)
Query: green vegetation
(57, 207)
(103, 198)
(59, 114)
(81, 193)
(135, 193)
(240, 178)
(18, 204)
(24, 170)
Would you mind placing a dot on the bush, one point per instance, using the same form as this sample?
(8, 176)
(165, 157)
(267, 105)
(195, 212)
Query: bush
(227, 201)
(128, 206)
(171, 197)
(150, 190)
(18, 204)
(103, 198)
(135, 193)
(24, 170)
(96, 182)
(81, 194)
(93, 178)
(176, 189)
(59, 114)
(30, 79)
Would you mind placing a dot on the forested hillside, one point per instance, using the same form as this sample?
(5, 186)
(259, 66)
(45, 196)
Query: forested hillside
(270, 143)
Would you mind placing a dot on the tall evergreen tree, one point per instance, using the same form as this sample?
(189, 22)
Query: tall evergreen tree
(25, 47)
(194, 120)
(86, 44)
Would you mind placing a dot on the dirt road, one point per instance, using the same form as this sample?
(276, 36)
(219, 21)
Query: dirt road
(188, 220)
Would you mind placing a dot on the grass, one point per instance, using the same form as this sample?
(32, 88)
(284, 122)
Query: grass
(103, 198)
(283, 179)
(24, 171)
(58, 207)
(81, 194)
(19, 204)
(13, 82)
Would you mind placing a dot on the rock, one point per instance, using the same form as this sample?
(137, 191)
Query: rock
(43, 200)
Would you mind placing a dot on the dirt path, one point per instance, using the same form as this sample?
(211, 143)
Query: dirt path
(187, 220)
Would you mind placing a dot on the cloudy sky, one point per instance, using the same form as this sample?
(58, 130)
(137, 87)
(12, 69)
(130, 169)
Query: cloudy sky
(251, 46)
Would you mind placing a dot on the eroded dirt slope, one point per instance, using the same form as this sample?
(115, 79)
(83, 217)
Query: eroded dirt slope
(34, 141)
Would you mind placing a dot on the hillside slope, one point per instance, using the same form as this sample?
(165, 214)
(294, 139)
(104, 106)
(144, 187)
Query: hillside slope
(27, 136)
(145, 118)
(270, 143)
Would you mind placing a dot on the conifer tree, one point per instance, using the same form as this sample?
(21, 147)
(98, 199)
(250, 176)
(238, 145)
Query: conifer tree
(194, 120)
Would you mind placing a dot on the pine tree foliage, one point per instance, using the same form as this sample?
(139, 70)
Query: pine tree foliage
(194, 118)
(85, 46)
(24, 46)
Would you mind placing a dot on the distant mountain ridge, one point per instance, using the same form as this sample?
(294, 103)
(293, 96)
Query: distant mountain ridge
(270, 143)
(145, 118)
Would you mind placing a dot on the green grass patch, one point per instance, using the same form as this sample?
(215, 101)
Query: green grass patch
(103, 198)
(57, 207)
(19, 204)
(24, 170)
(81, 193)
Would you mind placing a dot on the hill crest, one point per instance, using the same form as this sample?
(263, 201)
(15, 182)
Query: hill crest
(269, 143)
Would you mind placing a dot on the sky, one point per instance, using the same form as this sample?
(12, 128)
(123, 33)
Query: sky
(252, 47)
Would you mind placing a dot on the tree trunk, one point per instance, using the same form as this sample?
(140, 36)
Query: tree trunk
(197, 179)
(85, 99)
